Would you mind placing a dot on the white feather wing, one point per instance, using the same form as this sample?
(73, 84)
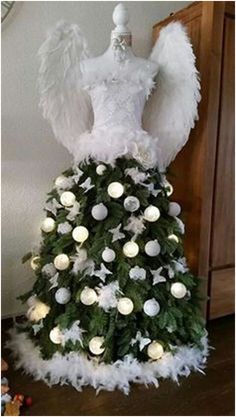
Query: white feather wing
(171, 110)
(63, 101)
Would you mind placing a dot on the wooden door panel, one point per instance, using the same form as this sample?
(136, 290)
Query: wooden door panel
(222, 252)
(222, 293)
(203, 170)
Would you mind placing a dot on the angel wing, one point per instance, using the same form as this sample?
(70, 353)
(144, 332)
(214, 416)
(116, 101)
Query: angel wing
(63, 101)
(171, 110)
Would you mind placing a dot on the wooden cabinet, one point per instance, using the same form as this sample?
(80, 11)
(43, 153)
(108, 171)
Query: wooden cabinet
(203, 172)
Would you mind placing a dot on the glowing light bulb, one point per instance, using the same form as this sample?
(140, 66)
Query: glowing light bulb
(155, 350)
(80, 234)
(115, 189)
(125, 306)
(95, 345)
(67, 199)
(178, 290)
(88, 296)
(48, 225)
(151, 214)
(55, 335)
(61, 262)
(131, 249)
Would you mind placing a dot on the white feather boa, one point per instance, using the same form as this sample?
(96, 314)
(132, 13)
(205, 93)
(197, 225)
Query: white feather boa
(79, 371)
(120, 142)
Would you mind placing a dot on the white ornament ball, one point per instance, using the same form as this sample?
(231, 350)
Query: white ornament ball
(151, 214)
(95, 345)
(178, 290)
(152, 248)
(60, 181)
(108, 255)
(61, 262)
(48, 225)
(63, 295)
(131, 203)
(80, 234)
(155, 350)
(101, 169)
(38, 311)
(34, 263)
(99, 212)
(115, 189)
(88, 296)
(174, 238)
(174, 209)
(151, 307)
(125, 306)
(131, 249)
(67, 199)
(55, 336)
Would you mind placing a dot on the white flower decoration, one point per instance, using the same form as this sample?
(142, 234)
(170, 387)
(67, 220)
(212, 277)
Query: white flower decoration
(144, 156)
(137, 273)
(181, 265)
(49, 270)
(135, 225)
(64, 228)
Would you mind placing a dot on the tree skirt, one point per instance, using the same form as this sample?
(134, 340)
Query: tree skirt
(80, 370)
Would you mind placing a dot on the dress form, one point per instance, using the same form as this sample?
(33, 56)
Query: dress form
(97, 114)
(119, 54)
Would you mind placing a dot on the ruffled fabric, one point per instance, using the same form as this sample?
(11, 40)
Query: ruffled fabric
(80, 370)
(119, 142)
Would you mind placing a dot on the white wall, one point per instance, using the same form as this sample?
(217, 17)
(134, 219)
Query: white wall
(31, 158)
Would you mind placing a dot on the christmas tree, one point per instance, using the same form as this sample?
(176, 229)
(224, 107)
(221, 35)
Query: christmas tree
(114, 301)
(111, 279)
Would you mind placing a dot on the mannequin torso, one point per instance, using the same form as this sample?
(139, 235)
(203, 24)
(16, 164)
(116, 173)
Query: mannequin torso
(107, 63)
(119, 55)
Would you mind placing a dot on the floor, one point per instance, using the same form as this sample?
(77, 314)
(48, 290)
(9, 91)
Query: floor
(210, 395)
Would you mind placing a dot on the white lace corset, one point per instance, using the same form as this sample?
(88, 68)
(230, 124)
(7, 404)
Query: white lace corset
(119, 99)
(117, 104)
